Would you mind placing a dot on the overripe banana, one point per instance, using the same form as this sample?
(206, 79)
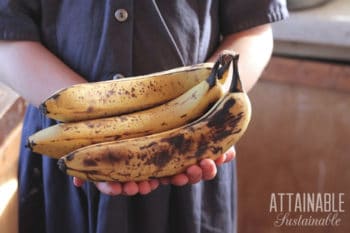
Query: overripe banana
(60, 139)
(115, 97)
(169, 152)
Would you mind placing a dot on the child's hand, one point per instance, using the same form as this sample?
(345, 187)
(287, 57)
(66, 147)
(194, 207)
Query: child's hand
(205, 170)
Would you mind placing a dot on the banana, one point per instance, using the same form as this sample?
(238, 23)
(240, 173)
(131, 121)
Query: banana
(60, 139)
(169, 152)
(114, 97)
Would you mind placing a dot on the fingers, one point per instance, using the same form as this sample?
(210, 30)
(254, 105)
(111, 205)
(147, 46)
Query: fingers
(128, 188)
(154, 184)
(194, 174)
(205, 170)
(78, 182)
(109, 188)
(228, 156)
(179, 180)
(145, 187)
(209, 169)
(221, 160)
(116, 188)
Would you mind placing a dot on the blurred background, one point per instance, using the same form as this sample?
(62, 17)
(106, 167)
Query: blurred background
(299, 137)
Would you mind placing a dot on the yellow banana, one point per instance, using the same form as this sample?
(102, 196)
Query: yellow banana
(169, 152)
(60, 139)
(115, 97)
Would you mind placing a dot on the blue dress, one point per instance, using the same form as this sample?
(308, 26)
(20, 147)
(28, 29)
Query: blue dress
(99, 39)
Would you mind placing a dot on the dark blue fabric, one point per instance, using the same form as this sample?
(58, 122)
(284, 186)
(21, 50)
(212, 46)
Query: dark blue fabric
(157, 35)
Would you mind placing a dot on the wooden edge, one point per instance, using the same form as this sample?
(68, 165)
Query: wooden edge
(11, 118)
(9, 154)
(308, 72)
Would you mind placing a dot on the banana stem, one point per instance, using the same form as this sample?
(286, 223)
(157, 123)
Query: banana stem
(211, 80)
(220, 67)
(236, 84)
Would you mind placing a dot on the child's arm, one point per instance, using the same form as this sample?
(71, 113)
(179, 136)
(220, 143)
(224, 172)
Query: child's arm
(32, 71)
(254, 47)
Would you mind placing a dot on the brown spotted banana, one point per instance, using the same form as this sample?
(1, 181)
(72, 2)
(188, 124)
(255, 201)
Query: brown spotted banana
(62, 138)
(114, 97)
(169, 152)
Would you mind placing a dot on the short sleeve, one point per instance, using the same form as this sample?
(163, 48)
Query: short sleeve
(238, 15)
(19, 20)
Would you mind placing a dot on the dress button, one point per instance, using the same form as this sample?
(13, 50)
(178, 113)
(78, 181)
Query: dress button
(118, 76)
(121, 15)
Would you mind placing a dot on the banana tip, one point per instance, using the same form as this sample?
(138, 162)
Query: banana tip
(43, 109)
(30, 144)
(62, 165)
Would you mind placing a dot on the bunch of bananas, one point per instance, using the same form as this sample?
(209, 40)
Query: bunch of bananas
(147, 126)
